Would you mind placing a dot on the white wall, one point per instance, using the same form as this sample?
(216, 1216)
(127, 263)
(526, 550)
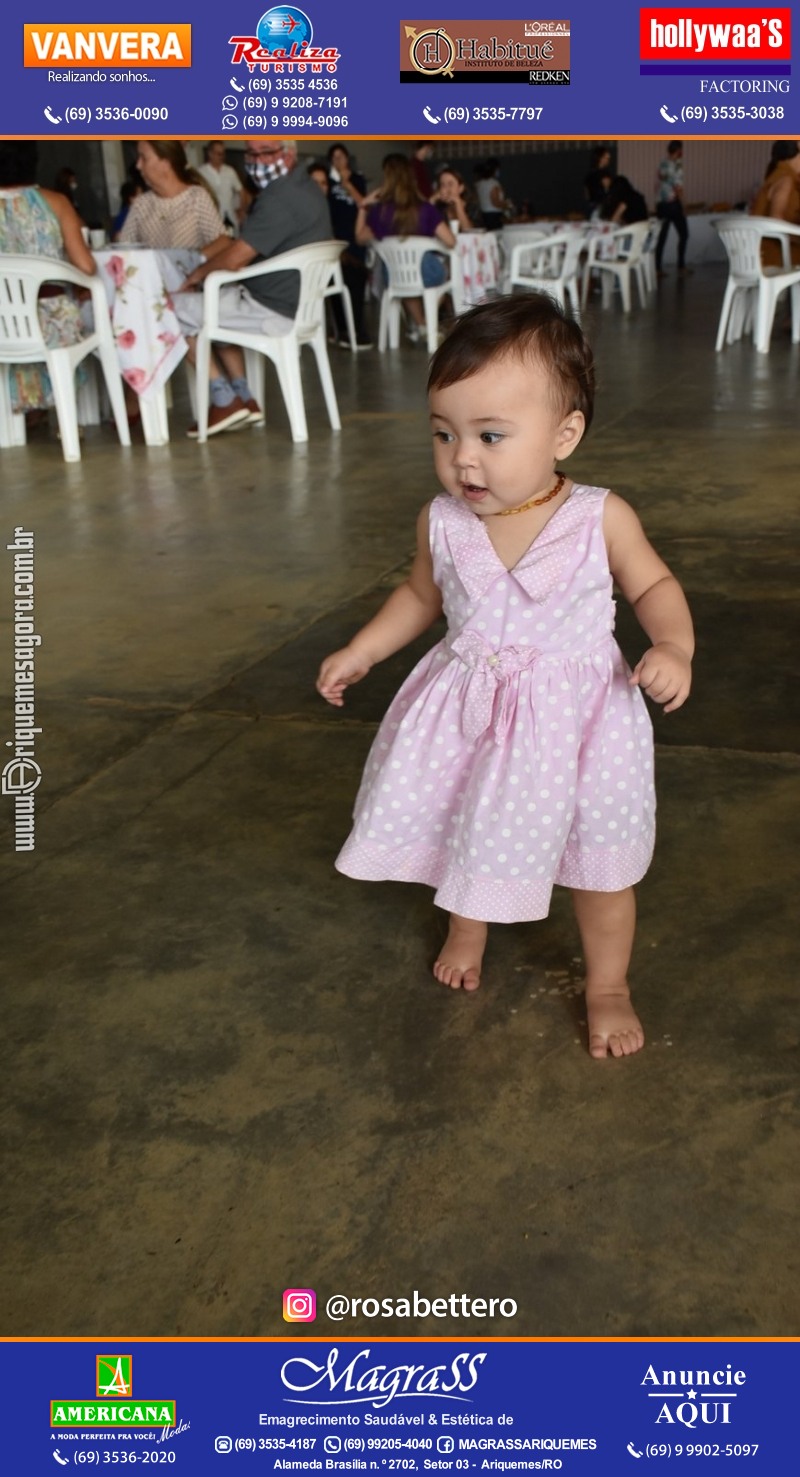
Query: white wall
(714, 172)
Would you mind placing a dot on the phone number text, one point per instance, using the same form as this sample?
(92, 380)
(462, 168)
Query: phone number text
(698, 112)
(492, 115)
(704, 1448)
(116, 115)
(105, 1458)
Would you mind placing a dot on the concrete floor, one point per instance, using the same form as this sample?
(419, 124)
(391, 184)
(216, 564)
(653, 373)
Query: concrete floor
(228, 1068)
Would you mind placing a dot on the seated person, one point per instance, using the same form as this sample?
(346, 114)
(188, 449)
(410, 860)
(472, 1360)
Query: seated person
(39, 222)
(398, 209)
(177, 209)
(348, 189)
(289, 210)
(458, 204)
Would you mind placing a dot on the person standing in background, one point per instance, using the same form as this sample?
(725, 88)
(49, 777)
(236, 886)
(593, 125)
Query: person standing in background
(419, 163)
(593, 182)
(669, 206)
(495, 206)
(225, 184)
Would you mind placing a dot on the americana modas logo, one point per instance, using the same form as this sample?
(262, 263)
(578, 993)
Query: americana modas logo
(283, 42)
(113, 1408)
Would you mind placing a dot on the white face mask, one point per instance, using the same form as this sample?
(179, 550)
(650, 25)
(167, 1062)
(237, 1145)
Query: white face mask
(264, 172)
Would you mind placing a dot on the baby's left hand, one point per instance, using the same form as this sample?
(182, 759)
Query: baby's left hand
(665, 674)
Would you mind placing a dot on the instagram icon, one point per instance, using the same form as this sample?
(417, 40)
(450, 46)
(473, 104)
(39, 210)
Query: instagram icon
(299, 1305)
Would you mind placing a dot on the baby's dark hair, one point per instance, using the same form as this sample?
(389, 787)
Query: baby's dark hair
(528, 325)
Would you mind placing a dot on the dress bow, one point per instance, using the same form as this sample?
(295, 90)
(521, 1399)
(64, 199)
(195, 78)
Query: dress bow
(492, 689)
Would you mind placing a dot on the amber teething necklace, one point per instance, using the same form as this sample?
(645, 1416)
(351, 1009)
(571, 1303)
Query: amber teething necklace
(535, 502)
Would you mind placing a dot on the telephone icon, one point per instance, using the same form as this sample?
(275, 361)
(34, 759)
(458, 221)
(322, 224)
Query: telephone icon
(62, 1461)
(431, 117)
(631, 1448)
(235, 86)
(54, 118)
(665, 113)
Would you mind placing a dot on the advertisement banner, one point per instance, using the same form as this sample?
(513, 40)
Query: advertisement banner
(326, 72)
(439, 1406)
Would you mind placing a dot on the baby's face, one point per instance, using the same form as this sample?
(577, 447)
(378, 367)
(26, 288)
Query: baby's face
(498, 435)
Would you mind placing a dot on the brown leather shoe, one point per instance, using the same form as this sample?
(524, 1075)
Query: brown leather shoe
(223, 418)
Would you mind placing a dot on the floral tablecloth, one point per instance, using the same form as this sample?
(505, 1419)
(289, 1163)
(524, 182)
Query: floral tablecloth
(476, 267)
(149, 341)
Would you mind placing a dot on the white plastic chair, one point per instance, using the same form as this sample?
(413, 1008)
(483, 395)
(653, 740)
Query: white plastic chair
(316, 265)
(751, 285)
(403, 260)
(628, 243)
(550, 265)
(646, 270)
(509, 237)
(21, 342)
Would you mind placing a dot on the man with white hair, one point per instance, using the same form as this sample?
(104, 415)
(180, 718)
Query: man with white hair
(289, 211)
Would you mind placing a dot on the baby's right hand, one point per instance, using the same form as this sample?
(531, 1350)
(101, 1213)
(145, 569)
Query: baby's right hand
(340, 671)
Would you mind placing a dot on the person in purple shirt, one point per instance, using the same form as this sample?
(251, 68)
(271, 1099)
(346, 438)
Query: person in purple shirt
(397, 209)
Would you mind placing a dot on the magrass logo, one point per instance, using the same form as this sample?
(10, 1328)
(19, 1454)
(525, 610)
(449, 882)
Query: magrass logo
(113, 1408)
(283, 43)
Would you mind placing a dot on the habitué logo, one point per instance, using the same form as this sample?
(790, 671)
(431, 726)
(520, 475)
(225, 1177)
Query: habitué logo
(534, 52)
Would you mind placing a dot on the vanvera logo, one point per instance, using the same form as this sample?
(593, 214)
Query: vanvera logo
(714, 34)
(362, 1383)
(118, 45)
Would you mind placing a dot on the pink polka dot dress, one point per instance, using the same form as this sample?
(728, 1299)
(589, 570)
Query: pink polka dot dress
(516, 755)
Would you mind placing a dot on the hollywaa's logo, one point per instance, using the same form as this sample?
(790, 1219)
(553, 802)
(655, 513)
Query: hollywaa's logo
(715, 34)
(689, 1397)
(283, 43)
(362, 1383)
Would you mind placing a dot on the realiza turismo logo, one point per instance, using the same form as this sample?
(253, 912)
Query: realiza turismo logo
(283, 43)
(113, 1408)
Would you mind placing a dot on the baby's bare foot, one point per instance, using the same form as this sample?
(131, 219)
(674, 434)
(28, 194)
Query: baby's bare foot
(459, 963)
(614, 1026)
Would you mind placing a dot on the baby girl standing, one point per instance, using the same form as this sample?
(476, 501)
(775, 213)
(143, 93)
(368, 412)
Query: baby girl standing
(519, 752)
